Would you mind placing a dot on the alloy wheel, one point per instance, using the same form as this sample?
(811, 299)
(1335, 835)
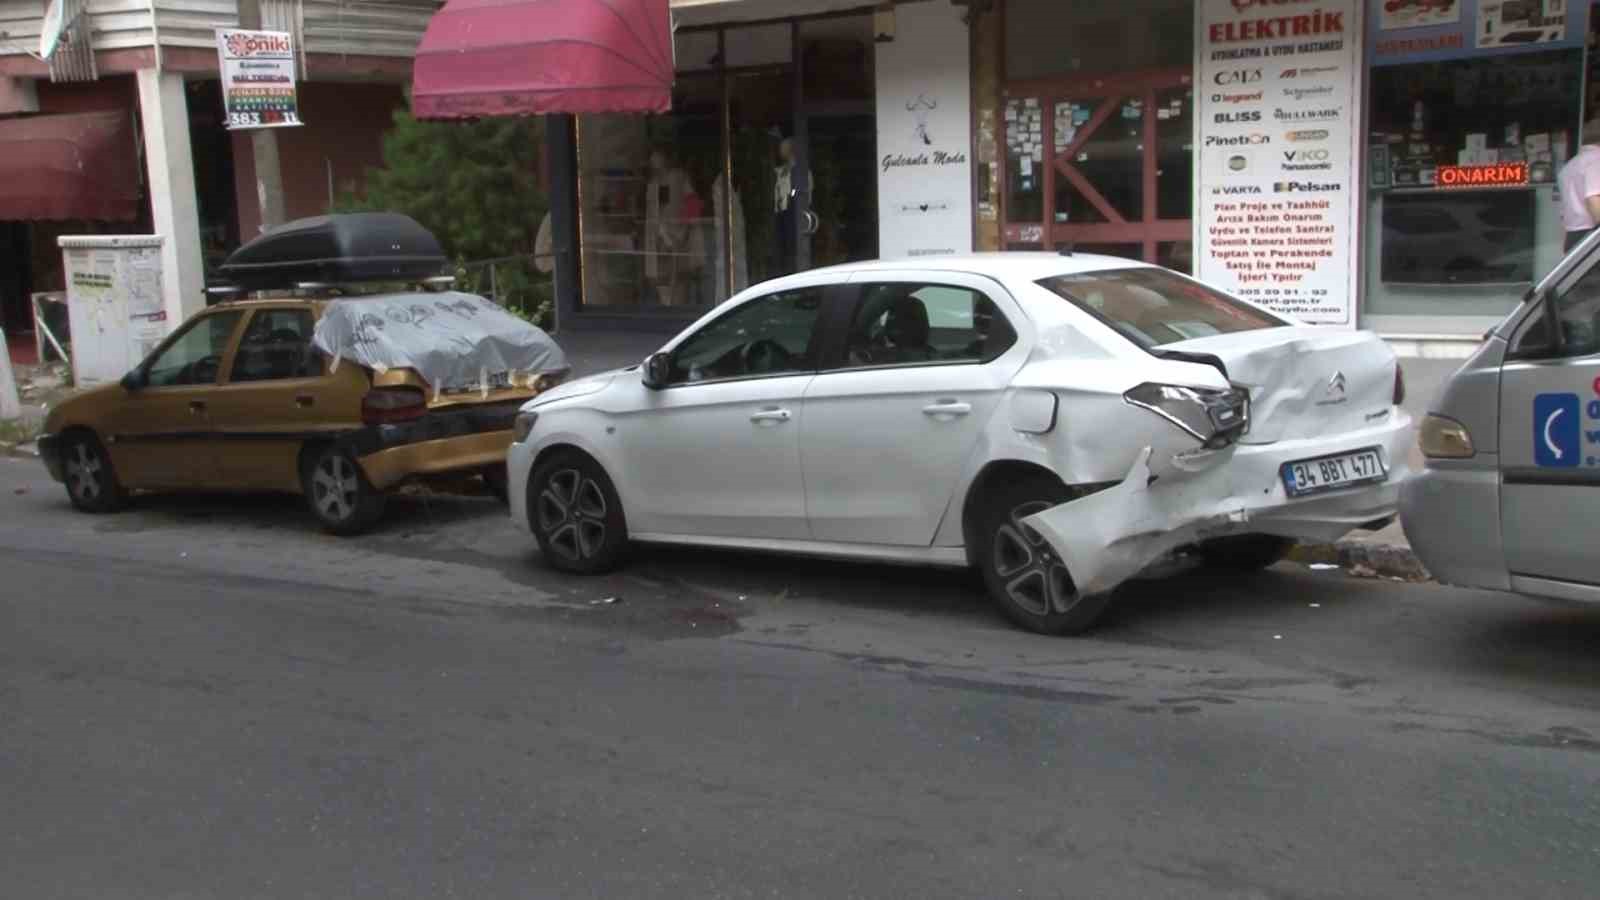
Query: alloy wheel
(336, 487)
(572, 514)
(1034, 576)
(85, 473)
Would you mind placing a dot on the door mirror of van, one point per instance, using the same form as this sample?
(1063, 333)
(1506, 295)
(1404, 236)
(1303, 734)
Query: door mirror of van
(657, 370)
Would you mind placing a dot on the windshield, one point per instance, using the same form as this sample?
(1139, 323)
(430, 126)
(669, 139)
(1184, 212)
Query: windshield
(1154, 307)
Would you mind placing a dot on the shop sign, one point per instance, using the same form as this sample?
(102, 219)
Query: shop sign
(1409, 31)
(1491, 175)
(924, 131)
(1277, 225)
(258, 78)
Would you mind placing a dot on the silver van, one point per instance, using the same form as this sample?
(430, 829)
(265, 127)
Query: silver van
(1509, 498)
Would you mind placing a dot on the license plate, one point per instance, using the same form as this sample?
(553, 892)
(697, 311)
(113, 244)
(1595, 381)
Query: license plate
(1325, 473)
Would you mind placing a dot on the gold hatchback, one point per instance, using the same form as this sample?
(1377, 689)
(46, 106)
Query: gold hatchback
(309, 395)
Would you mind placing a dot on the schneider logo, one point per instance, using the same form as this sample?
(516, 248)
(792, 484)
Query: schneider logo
(1243, 140)
(1306, 187)
(1300, 93)
(1311, 134)
(1326, 114)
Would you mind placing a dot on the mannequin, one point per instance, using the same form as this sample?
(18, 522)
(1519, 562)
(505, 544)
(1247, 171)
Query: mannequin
(789, 184)
(665, 233)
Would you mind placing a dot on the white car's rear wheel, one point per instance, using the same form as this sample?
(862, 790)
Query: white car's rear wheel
(576, 515)
(1025, 576)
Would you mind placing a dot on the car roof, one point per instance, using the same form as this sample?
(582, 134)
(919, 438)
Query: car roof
(1007, 266)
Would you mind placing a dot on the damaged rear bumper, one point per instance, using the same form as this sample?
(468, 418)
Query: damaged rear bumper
(1162, 505)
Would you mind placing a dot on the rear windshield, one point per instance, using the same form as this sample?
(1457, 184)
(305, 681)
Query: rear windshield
(1154, 307)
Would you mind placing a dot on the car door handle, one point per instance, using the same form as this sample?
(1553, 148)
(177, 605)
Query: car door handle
(947, 408)
(197, 406)
(774, 414)
(304, 400)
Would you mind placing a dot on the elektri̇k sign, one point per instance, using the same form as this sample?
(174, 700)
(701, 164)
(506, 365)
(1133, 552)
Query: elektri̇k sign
(1277, 138)
(258, 78)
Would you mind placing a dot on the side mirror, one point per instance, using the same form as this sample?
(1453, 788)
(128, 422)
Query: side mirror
(133, 381)
(657, 370)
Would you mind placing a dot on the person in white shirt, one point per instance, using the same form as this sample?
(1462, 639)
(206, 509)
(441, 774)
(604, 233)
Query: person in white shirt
(1580, 187)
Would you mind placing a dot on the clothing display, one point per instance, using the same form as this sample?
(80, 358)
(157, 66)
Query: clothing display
(665, 232)
(718, 250)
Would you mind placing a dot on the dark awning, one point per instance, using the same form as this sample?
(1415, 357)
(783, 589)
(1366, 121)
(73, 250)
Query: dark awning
(527, 57)
(79, 166)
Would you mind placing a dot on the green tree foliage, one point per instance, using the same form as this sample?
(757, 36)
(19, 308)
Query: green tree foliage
(475, 185)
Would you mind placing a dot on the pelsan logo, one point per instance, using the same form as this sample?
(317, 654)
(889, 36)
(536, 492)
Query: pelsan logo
(1325, 114)
(1310, 134)
(1243, 140)
(1306, 187)
(1230, 118)
(1235, 98)
(1237, 77)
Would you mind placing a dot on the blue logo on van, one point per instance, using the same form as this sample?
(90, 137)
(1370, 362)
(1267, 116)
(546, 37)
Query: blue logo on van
(1557, 431)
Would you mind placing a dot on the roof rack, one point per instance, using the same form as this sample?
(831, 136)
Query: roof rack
(324, 252)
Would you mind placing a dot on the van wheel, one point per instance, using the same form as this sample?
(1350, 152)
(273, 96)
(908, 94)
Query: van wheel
(92, 483)
(1025, 576)
(1244, 552)
(339, 494)
(576, 515)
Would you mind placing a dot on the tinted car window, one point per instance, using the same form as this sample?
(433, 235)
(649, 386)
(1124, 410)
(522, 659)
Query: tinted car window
(769, 336)
(1152, 307)
(1577, 312)
(899, 323)
(195, 357)
(276, 344)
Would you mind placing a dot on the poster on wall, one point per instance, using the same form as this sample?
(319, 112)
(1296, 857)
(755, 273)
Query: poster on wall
(1277, 150)
(1394, 15)
(924, 135)
(257, 78)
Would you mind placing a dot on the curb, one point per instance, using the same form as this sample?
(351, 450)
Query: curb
(1368, 559)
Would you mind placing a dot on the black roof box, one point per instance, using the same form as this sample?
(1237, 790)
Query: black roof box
(337, 249)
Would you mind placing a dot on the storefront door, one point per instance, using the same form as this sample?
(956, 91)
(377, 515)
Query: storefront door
(1102, 165)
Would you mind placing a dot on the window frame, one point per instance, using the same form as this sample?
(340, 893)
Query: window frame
(814, 348)
(838, 351)
(244, 329)
(224, 366)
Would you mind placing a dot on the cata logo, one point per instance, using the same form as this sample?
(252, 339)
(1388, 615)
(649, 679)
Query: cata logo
(1236, 77)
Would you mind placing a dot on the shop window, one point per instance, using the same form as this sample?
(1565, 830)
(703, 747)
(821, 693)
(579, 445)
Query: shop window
(1110, 159)
(1025, 159)
(1175, 153)
(1461, 168)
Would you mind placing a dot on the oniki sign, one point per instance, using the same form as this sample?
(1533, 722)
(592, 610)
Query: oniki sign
(1278, 226)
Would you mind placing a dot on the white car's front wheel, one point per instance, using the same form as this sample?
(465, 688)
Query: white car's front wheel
(1025, 576)
(576, 515)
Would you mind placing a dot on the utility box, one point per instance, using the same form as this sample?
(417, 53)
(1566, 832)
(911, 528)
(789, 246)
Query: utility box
(114, 303)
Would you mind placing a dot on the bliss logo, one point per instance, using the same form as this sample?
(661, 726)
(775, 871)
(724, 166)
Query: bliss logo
(1228, 118)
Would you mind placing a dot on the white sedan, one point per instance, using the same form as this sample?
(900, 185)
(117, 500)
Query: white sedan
(1062, 422)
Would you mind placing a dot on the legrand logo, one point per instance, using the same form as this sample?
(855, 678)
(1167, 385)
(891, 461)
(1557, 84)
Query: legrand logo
(1310, 134)
(1243, 140)
(1235, 98)
(1236, 76)
(1306, 187)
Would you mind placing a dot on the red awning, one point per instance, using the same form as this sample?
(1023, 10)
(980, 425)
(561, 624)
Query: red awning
(528, 57)
(79, 166)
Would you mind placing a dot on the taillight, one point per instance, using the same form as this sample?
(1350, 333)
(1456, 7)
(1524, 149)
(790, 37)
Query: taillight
(385, 405)
(1399, 384)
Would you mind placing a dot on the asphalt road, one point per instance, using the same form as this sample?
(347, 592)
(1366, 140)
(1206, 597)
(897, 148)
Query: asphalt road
(208, 698)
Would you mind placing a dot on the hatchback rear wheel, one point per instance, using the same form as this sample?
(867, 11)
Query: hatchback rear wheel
(1025, 575)
(339, 494)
